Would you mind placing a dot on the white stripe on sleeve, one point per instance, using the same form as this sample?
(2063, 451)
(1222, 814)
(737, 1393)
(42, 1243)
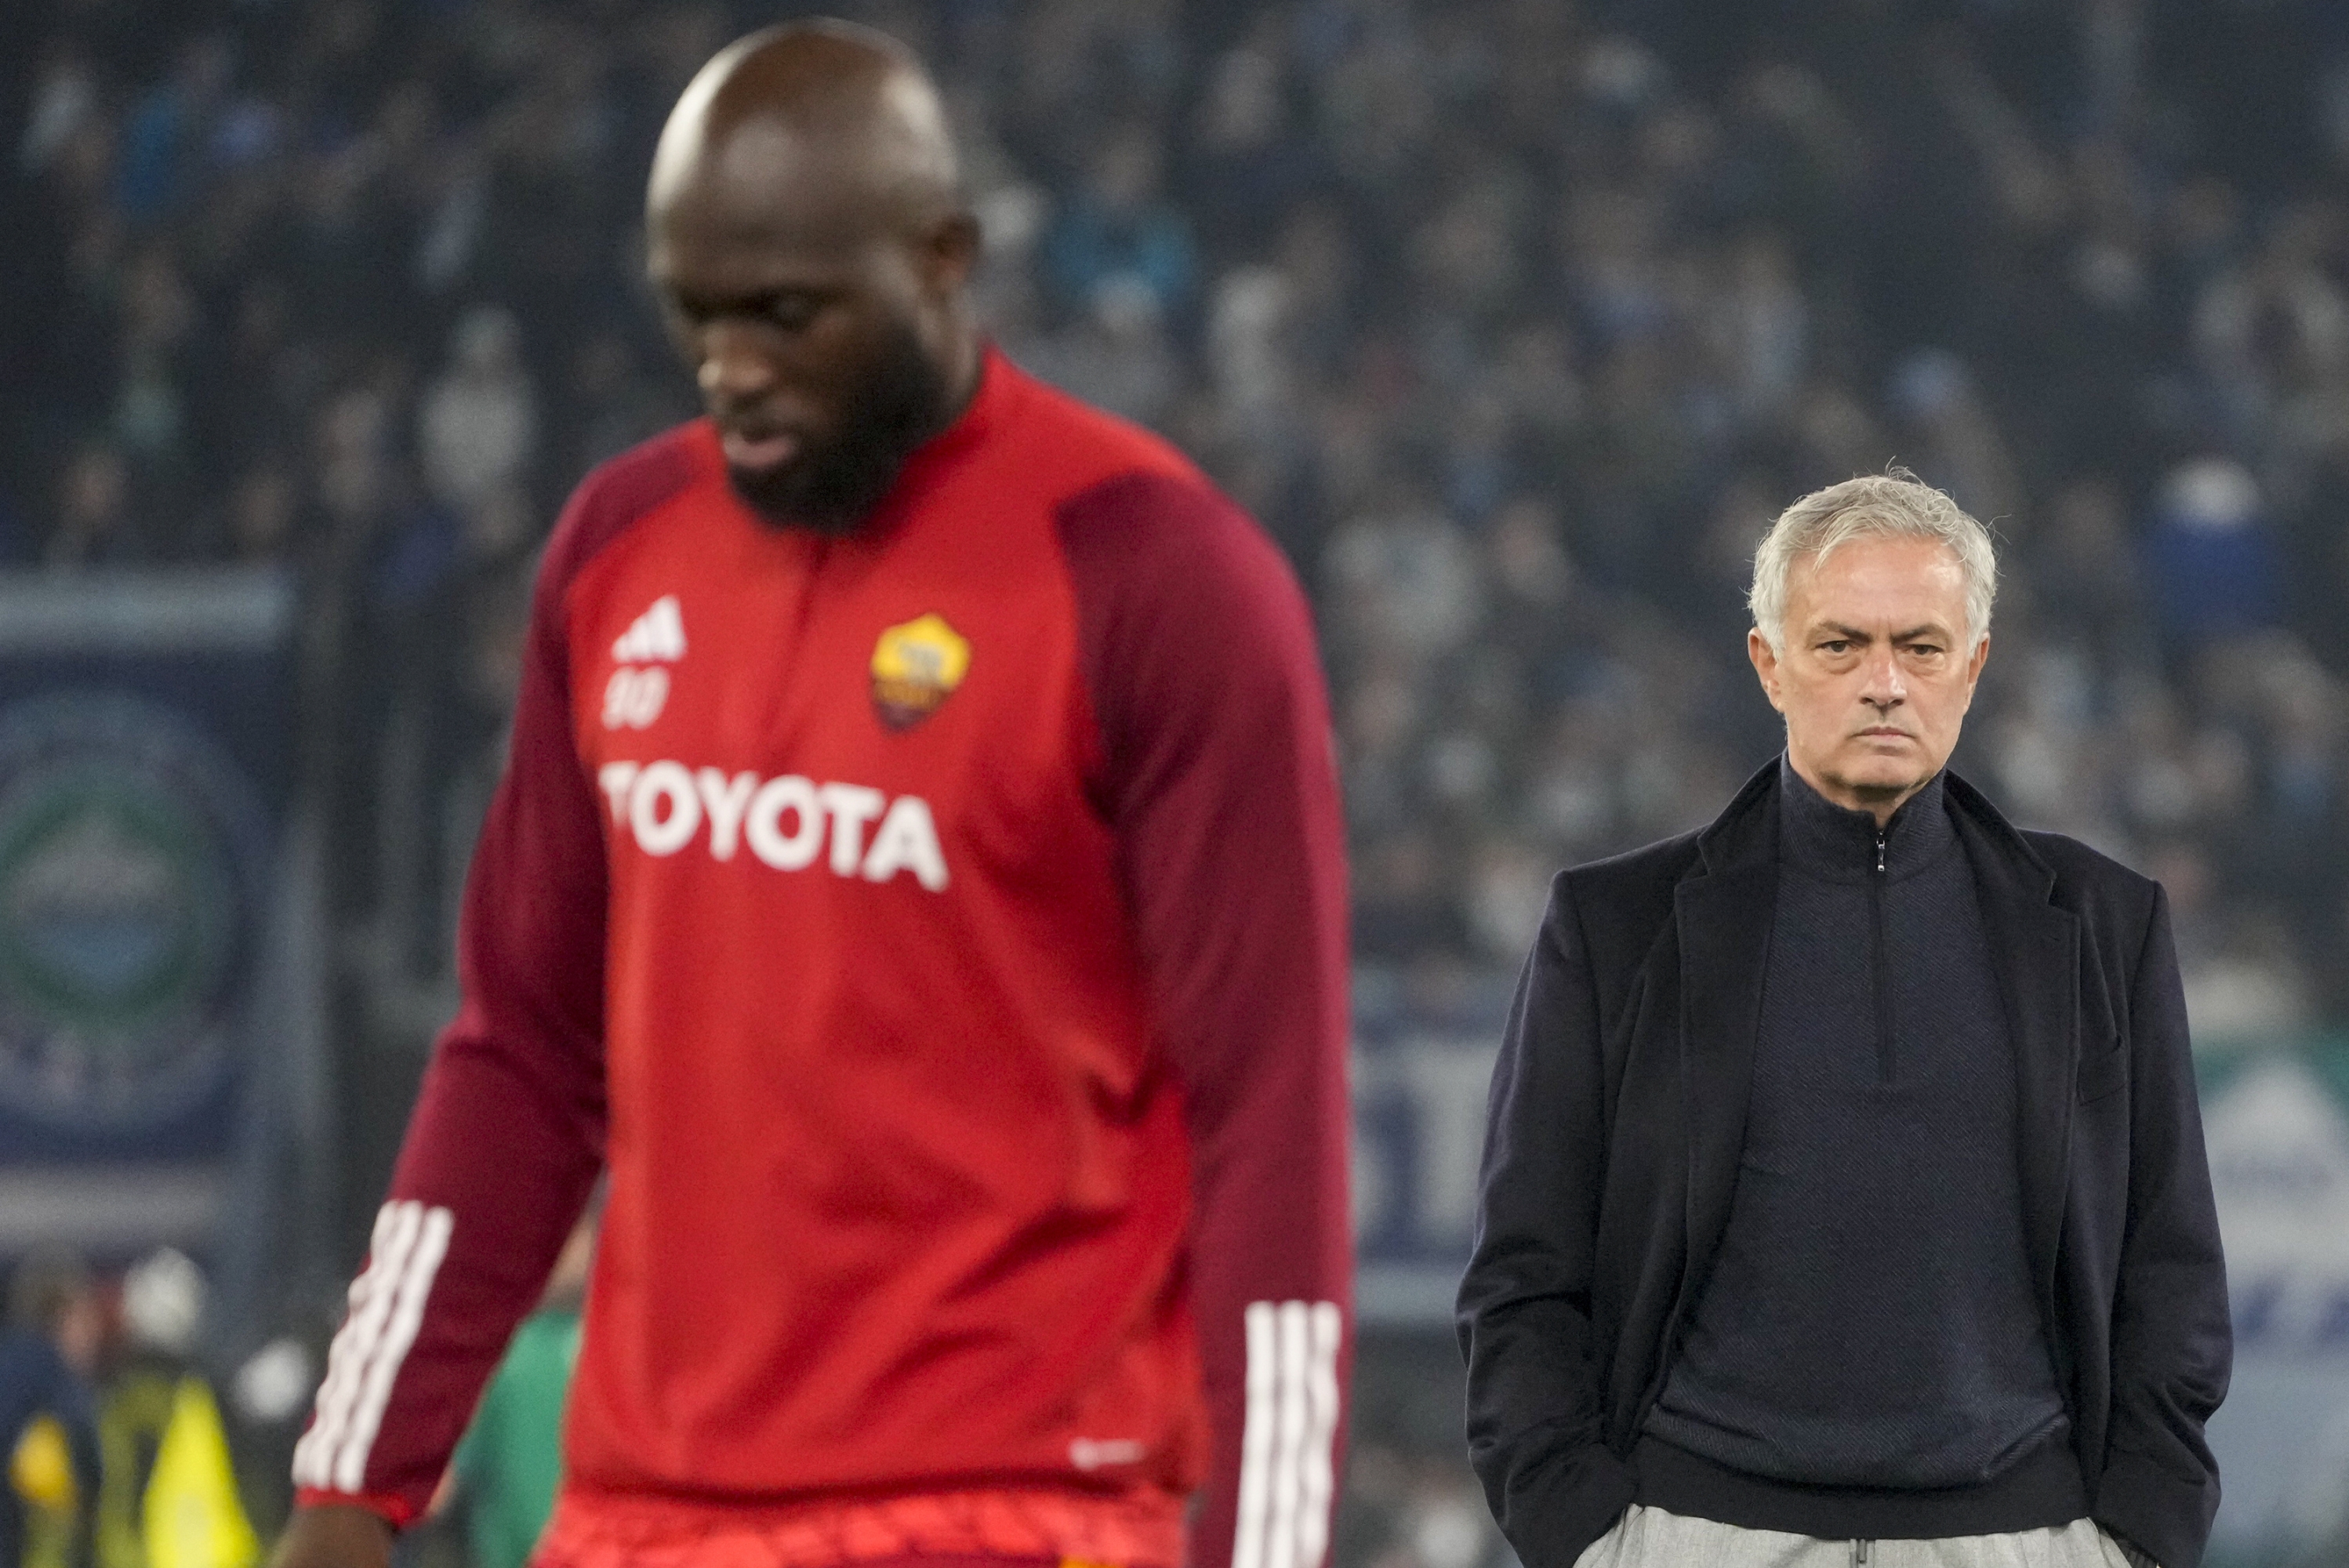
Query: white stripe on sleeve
(396, 1226)
(407, 1316)
(1256, 1437)
(1320, 1479)
(1287, 1463)
(386, 1309)
(1288, 1440)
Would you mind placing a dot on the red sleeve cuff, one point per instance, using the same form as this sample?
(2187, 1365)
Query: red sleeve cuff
(396, 1512)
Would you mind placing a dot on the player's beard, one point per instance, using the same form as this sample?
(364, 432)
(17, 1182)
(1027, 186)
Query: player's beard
(833, 488)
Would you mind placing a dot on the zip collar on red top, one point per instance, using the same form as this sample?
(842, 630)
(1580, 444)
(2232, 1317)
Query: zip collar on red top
(999, 382)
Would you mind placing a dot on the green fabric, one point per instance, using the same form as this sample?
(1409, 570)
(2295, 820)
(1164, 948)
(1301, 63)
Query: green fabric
(511, 1461)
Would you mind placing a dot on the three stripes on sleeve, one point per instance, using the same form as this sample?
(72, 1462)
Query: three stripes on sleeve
(385, 1310)
(1286, 1460)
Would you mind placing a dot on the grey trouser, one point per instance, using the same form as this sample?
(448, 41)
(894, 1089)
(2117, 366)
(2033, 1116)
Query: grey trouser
(1651, 1537)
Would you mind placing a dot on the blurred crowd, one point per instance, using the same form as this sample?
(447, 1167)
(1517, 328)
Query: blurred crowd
(1514, 320)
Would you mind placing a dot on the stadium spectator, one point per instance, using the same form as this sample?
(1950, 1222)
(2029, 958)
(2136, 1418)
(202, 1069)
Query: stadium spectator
(168, 1497)
(477, 429)
(48, 1416)
(94, 515)
(2208, 557)
(1119, 232)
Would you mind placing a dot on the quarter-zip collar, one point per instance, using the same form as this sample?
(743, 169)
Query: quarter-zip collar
(1818, 837)
(988, 399)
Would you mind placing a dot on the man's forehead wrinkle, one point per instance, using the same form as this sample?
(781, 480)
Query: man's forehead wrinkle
(1899, 634)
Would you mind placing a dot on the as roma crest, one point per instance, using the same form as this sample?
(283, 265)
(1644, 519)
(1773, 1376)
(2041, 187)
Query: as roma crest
(916, 666)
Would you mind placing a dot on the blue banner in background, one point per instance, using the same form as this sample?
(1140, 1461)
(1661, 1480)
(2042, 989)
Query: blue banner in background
(146, 766)
(2276, 1121)
(1422, 1060)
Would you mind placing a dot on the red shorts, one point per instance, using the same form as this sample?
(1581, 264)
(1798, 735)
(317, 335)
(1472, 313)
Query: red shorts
(1038, 1528)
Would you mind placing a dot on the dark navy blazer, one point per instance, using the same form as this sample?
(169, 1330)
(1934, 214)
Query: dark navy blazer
(1617, 1122)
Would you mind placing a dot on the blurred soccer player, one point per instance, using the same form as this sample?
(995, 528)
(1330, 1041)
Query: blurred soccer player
(918, 873)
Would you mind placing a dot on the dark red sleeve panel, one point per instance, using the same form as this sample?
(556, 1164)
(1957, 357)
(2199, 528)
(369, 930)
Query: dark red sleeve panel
(507, 1134)
(1219, 779)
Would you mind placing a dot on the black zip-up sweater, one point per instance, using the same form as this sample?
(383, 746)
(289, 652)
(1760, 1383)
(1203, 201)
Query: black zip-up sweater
(1868, 1320)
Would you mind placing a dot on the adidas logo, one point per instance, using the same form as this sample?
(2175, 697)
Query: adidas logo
(657, 633)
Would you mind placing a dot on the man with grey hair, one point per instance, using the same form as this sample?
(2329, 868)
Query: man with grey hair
(1844, 1198)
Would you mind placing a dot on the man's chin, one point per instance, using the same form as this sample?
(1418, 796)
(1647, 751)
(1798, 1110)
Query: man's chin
(781, 497)
(1880, 778)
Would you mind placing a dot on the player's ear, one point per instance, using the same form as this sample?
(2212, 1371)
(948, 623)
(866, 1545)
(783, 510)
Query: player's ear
(1765, 665)
(949, 251)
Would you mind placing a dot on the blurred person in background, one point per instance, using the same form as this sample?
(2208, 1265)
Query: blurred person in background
(169, 1496)
(1119, 231)
(477, 429)
(2211, 565)
(48, 1416)
(94, 525)
(1844, 1196)
(918, 868)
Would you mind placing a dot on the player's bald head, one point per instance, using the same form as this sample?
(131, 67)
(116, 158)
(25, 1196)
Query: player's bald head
(814, 126)
(811, 250)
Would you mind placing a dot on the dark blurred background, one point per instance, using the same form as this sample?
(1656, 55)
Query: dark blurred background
(1515, 321)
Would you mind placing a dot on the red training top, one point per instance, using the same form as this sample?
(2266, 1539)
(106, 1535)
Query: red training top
(940, 931)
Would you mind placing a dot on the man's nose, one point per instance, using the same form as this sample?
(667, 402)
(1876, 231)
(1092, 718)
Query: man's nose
(733, 370)
(1885, 687)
